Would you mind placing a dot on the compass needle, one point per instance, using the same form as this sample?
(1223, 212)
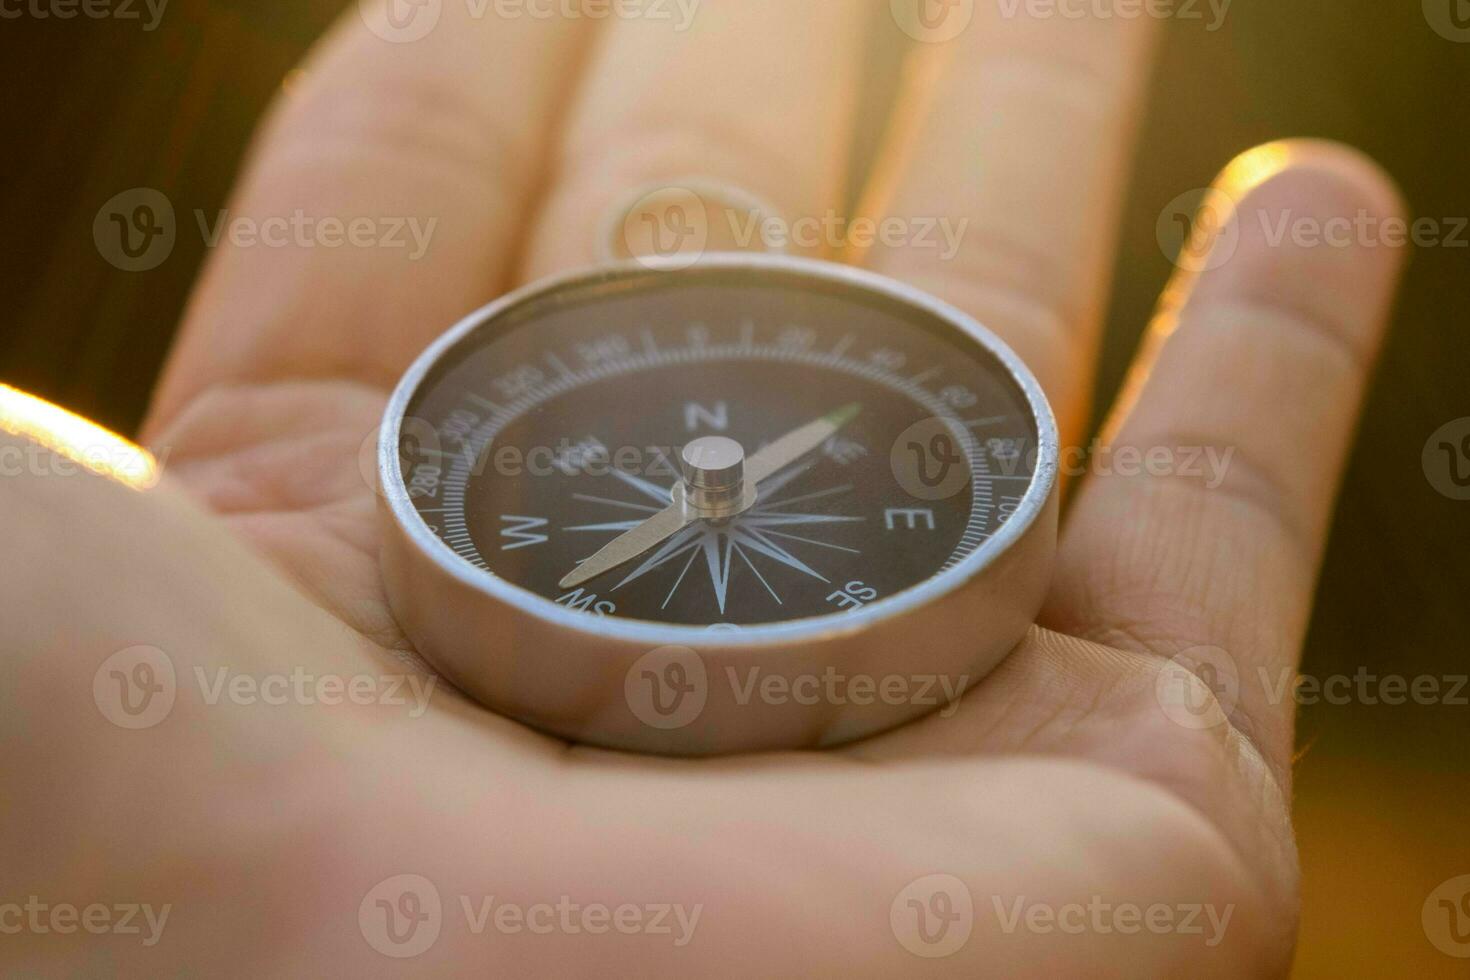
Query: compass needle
(711, 465)
(629, 545)
(796, 444)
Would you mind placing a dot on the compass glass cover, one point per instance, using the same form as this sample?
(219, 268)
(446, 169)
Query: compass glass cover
(555, 425)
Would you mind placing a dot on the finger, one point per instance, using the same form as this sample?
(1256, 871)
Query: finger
(1246, 396)
(1027, 126)
(381, 204)
(756, 95)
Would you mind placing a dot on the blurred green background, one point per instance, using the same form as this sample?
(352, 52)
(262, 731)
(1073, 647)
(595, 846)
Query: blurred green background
(97, 106)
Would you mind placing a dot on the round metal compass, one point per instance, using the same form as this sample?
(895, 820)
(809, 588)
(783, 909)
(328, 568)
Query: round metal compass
(755, 503)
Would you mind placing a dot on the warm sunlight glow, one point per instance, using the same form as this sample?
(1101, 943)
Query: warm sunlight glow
(83, 442)
(1253, 168)
(1217, 211)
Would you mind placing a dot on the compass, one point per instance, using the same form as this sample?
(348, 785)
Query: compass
(758, 502)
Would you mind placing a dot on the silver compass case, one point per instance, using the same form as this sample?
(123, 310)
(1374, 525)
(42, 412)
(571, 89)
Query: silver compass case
(680, 689)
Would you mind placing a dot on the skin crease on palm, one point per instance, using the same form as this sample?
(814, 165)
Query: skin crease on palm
(1059, 779)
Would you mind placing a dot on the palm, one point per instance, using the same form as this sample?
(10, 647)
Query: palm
(1059, 777)
(1061, 725)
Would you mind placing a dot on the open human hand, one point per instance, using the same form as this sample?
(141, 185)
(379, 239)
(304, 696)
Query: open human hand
(1010, 834)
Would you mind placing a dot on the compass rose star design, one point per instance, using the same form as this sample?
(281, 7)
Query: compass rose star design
(758, 531)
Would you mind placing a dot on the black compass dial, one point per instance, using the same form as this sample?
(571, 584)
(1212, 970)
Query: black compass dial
(559, 426)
